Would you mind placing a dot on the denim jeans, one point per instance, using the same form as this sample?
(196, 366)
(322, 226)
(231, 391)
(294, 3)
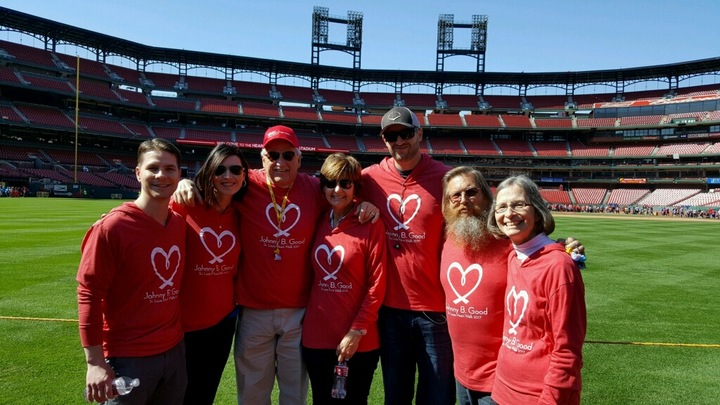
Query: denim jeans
(467, 396)
(410, 339)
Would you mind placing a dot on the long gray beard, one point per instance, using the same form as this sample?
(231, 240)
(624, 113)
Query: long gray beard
(470, 231)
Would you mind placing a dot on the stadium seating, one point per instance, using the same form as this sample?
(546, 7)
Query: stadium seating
(665, 197)
(622, 196)
(551, 148)
(592, 196)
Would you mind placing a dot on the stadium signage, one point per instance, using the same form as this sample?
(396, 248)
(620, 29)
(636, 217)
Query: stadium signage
(632, 181)
(250, 145)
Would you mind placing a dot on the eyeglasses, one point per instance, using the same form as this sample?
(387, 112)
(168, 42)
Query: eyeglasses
(274, 155)
(234, 169)
(392, 137)
(345, 184)
(517, 206)
(469, 193)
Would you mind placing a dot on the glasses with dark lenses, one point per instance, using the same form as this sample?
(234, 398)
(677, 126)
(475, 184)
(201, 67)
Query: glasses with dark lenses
(345, 184)
(234, 169)
(392, 136)
(469, 193)
(287, 155)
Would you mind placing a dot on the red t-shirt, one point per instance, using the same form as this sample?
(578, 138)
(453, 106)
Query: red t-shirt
(543, 332)
(411, 210)
(349, 283)
(474, 303)
(211, 265)
(129, 283)
(263, 282)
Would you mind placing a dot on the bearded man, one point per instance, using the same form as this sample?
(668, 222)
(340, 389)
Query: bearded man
(473, 272)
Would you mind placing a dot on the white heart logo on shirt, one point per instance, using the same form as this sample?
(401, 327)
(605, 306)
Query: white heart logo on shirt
(216, 245)
(401, 210)
(274, 222)
(329, 260)
(463, 280)
(165, 266)
(511, 302)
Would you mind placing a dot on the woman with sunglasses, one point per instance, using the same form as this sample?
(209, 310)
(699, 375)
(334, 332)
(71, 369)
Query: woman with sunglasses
(545, 317)
(207, 296)
(349, 261)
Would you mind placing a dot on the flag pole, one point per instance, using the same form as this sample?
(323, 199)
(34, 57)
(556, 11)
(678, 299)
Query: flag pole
(77, 103)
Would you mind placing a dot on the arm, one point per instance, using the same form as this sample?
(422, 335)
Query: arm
(568, 320)
(375, 265)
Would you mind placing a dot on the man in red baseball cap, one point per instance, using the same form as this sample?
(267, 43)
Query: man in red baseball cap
(278, 216)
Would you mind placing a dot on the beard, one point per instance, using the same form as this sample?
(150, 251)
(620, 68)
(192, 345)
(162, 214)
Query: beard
(468, 230)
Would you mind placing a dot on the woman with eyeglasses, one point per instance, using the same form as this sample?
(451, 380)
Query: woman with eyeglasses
(207, 296)
(545, 317)
(349, 261)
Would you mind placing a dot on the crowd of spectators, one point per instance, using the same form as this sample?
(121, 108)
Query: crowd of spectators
(13, 191)
(649, 210)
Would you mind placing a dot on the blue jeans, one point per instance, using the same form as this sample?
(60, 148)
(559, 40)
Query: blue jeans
(410, 339)
(466, 396)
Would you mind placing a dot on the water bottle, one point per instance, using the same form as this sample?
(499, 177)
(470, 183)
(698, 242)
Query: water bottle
(121, 386)
(341, 373)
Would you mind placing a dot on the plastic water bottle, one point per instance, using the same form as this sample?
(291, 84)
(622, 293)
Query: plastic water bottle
(341, 373)
(121, 386)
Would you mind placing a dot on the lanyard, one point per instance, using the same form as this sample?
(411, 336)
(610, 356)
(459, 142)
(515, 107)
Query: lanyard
(279, 214)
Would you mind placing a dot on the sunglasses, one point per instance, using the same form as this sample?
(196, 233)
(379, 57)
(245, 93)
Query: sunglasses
(234, 169)
(469, 193)
(406, 134)
(345, 184)
(287, 155)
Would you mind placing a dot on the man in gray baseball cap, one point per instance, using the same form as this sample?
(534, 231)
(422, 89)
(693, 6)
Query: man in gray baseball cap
(407, 187)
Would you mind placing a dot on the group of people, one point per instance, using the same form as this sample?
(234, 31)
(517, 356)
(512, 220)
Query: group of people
(406, 262)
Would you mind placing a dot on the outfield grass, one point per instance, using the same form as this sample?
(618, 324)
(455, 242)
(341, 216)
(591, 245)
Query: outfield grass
(648, 282)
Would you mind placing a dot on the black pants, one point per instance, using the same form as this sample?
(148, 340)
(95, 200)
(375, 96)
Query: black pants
(320, 364)
(206, 354)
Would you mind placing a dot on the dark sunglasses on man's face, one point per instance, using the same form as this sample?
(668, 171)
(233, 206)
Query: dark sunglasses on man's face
(345, 184)
(234, 169)
(287, 155)
(405, 134)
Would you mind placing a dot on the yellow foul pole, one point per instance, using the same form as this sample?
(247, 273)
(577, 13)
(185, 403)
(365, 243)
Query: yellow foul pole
(77, 103)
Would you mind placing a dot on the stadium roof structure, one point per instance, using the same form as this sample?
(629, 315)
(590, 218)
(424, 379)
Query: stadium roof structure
(54, 33)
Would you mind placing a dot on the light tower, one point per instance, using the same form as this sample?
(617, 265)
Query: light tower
(321, 20)
(446, 39)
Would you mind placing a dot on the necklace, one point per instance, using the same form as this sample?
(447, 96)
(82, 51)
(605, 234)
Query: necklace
(334, 224)
(279, 214)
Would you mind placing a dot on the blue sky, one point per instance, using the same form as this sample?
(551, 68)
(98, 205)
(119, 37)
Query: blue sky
(523, 36)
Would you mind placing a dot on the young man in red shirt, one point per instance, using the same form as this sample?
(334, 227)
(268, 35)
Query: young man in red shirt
(129, 286)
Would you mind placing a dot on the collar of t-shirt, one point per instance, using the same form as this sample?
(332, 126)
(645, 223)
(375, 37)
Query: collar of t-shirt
(524, 250)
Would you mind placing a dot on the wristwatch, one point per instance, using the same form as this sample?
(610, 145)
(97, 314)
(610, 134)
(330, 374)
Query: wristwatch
(362, 332)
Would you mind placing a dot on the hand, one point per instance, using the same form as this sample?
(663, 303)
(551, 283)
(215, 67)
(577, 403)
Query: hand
(572, 243)
(349, 345)
(187, 194)
(98, 383)
(367, 212)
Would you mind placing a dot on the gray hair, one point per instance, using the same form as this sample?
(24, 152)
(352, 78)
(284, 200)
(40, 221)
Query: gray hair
(532, 192)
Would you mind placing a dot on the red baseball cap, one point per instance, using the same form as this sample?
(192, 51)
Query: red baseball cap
(280, 132)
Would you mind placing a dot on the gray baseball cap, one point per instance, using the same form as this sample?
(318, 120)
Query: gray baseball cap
(399, 116)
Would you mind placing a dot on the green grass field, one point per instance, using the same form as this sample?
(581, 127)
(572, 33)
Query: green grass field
(653, 325)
